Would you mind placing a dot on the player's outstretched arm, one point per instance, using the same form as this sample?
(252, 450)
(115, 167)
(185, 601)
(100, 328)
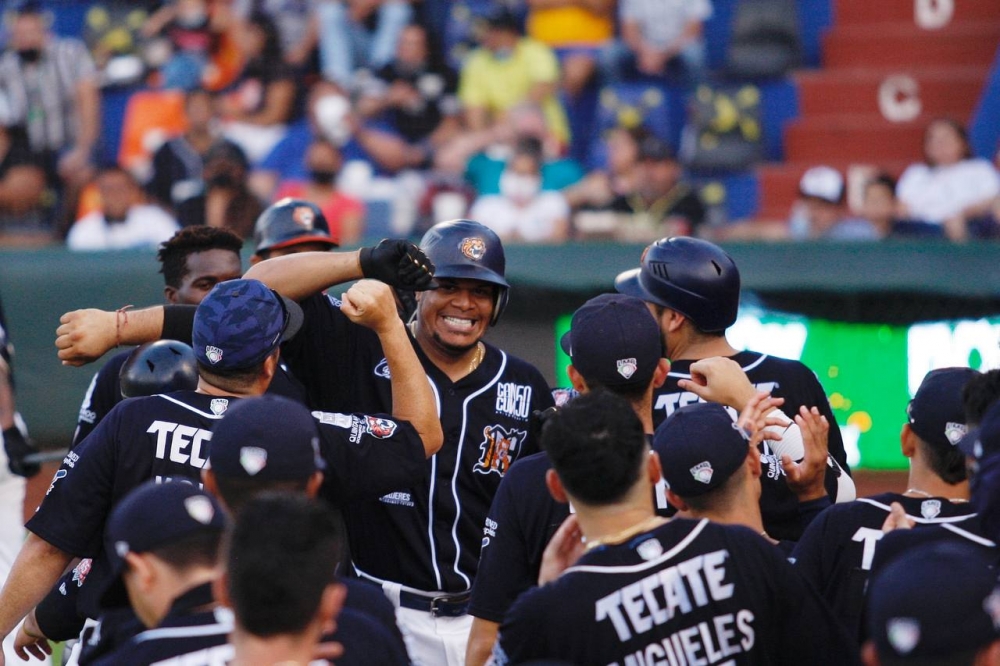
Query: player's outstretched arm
(36, 569)
(297, 276)
(84, 336)
(371, 303)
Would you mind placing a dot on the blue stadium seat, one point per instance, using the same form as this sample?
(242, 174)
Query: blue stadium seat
(655, 106)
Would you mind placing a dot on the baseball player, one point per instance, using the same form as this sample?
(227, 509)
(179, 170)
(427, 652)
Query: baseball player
(693, 289)
(836, 551)
(647, 590)
(193, 261)
(162, 541)
(936, 606)
(485, 401)
(237, 331)
(614, 343)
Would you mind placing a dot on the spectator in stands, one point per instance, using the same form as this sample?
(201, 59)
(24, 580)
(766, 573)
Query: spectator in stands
(820, 212)
(358, 34)
(343, 213)
(658, 37)
(522, 211)
(298, 28)
(416, 92)
(507, 70)
(187, 25)
(51, 84)
(124, 220)
(22, 179)
(950, 187)
(178, 163)
(879, 204)
(660, 204)
(225, 201)
(577, 30)
(620, 174)
(261, 101)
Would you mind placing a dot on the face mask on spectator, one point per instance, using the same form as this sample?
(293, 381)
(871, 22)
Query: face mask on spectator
(29, 55)
(519, 187)
(322, 176)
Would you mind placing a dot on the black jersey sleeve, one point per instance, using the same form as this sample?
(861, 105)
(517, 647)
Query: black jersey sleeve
(504, 563)
(57, 614)
(102, 395)
(812, 552)
(72, 514)
(520, 639)
(368, 455)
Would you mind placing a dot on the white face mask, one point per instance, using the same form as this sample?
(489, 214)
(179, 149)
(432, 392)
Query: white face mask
(518, 187)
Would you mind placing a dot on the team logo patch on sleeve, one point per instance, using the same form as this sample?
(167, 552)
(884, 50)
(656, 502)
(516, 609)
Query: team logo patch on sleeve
(473, 248)
(380, 428)
(382, 370)
(81, 571)
(253, 459)
(214, 354)
(703, 472)
(60, 474)
(499, 444)
(219, 406)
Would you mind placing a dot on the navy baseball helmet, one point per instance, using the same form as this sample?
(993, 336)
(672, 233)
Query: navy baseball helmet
(468, 250)
(158, 367)
(291, 222)
(689, 275)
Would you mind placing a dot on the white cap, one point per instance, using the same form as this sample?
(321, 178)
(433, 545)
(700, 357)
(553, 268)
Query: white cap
(822, 182)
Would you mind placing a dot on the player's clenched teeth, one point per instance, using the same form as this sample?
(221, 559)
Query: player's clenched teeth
(456, 322)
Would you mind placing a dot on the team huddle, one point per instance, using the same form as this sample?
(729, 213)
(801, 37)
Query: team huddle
(281, 475)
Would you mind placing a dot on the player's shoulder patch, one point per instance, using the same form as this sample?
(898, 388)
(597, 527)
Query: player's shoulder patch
(334, 419)
(379, 427)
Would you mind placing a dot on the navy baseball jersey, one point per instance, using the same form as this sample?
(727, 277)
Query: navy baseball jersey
(835, 554)
(105, 392)
(189, 634)
(783, 378)
(968, 533)
(487, 422)
(687, 592)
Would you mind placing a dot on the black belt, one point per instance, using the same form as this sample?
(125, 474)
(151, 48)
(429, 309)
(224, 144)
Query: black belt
(446, 605)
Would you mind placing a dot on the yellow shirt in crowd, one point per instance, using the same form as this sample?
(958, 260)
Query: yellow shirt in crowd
(570, 26)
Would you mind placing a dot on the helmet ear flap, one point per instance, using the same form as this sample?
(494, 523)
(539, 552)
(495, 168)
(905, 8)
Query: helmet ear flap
(499, 304)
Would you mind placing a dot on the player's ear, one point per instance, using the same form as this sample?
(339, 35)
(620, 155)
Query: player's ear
(907, 441)
(330, 605)
(170, 294)
(676, 501)
(220, 589)
(576, 379)
(555, 486)
(654, 468)
(753, 461)
(869, 656)
(313, 484)
(255, 259)
(142, 572)
(661, 372)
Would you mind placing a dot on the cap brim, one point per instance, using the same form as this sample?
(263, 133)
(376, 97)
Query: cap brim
(566, 343)
(299, 240)
(295, 318)
(628, 283)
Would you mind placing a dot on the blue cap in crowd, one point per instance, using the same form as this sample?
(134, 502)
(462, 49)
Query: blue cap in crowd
(984, 441)
(240, 322)
(936, 412)
(700, 447)
(268, 438)
(152, 516)
(614, 341)
(933, 604)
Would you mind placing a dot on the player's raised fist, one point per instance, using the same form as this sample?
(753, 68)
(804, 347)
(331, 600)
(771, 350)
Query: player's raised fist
(84, 336)
(371, 303)
(397, 262)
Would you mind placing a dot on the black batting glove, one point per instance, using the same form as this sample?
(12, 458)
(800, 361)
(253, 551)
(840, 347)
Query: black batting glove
(398, 263)
(18, 447)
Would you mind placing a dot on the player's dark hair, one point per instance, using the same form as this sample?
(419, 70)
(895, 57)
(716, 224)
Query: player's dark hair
(597, 445)
(237, 492)
(634, 393)
(200, 549)
(948, 464)
(280, 557)
(173, 253)
(979, 394)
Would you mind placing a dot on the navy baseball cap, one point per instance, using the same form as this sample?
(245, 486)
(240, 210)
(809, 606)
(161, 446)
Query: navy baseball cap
(984, 441)
(269, 438)
(936, 413)
(932, 605)
(152, 516)
(614, 341)
(240, 322)
(700, 447)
